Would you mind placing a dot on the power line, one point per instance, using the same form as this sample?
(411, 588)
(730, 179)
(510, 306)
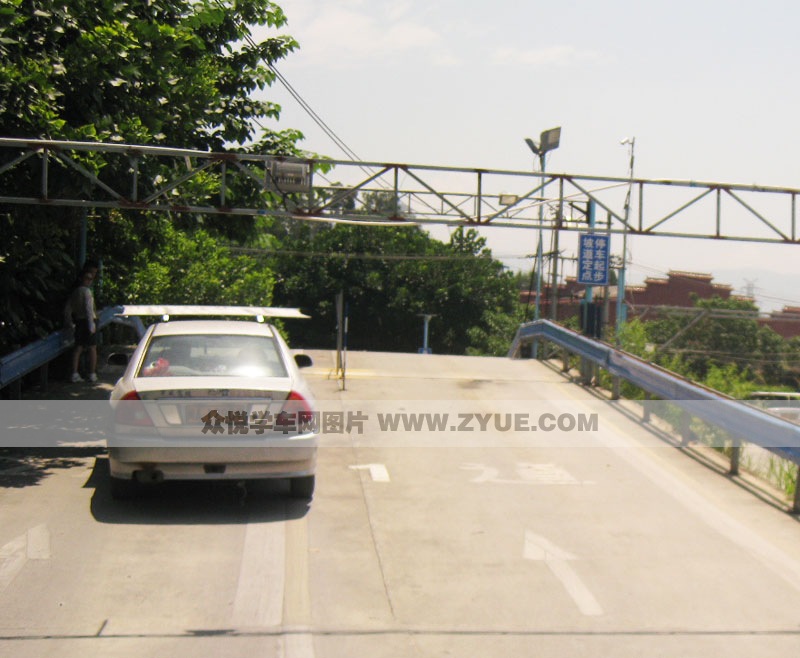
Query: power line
(311, 113)
(359, 255)
(294, 94)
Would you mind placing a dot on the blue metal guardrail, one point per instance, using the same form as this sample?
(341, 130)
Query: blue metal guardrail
(38, 354)
(740, 420)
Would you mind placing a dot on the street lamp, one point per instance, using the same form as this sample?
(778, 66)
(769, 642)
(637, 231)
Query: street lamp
(548, 141)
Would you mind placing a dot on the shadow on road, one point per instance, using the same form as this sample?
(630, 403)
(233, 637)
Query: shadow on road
(194, 503)
(27, 467)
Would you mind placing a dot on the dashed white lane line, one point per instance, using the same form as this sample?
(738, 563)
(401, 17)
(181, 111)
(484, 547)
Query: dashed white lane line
(272, 590)
(259, 592)
(297, 645)
(378, 472)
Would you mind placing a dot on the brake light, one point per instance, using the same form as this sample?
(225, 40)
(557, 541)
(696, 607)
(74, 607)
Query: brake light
(298, 403)
(295, 415)
(131, 411)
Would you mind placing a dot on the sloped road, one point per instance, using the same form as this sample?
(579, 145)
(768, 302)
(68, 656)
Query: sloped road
(422, 540)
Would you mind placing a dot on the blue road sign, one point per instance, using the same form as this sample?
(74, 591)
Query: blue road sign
(593, 259)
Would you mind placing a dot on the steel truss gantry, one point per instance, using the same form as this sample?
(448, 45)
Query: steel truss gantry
(149, 178)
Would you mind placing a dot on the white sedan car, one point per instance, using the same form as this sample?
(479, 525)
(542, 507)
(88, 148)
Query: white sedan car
(212, 399)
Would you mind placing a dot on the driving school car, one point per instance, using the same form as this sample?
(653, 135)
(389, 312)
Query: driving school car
(212, 399)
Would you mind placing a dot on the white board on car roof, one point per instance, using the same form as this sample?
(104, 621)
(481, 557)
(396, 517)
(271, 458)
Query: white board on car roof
(211, 311)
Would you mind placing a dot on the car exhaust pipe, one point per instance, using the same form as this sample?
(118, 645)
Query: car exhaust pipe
(149, 476)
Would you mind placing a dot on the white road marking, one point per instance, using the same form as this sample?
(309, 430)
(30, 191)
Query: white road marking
(38, 543)
(557, 560)
(297, 645)
(259, 593)
(12, 558)
(297, 640)
(545, 474)
(487, 473)
(528, 474)
(297, 596)
(33, 545)
(378, 472)
(272, 590)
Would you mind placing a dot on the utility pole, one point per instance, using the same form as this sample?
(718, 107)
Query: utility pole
(621, 310)
(426, 317)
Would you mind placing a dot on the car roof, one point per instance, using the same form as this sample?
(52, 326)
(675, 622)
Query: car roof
(216, 327)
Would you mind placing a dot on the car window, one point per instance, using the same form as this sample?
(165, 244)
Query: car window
(212, 355)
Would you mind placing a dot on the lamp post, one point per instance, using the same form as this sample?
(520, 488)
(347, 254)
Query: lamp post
(548, 141)
(621, 310)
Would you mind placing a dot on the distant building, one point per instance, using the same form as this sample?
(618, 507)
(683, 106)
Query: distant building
(785, 322)
(677, 289)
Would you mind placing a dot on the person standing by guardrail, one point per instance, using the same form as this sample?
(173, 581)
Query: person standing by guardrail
(80, 314)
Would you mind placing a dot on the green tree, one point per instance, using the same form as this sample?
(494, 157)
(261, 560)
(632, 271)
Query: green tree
(770, 354)
(719, 338)
(196, 269)
(182, 73)
(175, 72)
(390, 276)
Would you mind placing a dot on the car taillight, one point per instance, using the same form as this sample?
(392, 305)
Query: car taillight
(297, 402)
(296, 414)
(131, 411)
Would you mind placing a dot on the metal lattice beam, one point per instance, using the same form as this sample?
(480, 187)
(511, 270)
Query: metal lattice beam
(337, 191)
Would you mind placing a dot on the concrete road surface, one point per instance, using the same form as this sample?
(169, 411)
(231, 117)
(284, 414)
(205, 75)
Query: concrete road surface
(429, 542)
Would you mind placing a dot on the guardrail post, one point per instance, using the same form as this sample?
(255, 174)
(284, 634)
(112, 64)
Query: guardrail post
(564, 361)
(736, 453)
(685, 430)
(615, 388)
(586, 371)
(646, 408)
(796, 504)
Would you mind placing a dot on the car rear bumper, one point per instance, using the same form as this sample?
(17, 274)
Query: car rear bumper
(155, 463)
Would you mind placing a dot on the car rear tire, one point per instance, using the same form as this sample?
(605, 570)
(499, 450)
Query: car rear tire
(302, 487)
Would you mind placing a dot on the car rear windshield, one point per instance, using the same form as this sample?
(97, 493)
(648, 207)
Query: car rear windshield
(212, 355)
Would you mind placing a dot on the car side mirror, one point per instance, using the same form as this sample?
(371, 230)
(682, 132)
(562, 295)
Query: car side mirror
(303, 360)
(118, 359)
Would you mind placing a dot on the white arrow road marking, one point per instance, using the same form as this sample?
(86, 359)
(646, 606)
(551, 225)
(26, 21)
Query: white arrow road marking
(378, 472)
(545, 474)
(487, 474)
(12, 559)
(38, 543)
(548, 474)
(556, 559)
(33, 545)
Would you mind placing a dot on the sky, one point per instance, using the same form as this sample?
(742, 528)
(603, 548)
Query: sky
(707, 88)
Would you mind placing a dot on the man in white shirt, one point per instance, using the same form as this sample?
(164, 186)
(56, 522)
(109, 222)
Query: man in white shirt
(81, 314)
